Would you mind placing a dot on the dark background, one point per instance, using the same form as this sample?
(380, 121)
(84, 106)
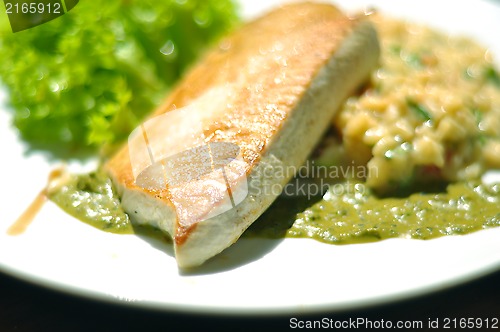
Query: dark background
(24, 307)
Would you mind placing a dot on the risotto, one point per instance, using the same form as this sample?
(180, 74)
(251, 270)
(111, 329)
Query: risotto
(431, 111)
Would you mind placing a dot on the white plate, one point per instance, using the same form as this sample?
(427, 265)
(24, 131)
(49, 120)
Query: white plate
(253, 276)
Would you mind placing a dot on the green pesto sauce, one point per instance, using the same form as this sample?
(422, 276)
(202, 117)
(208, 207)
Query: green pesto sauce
(357, 215)
(347, 213)
(92, 199)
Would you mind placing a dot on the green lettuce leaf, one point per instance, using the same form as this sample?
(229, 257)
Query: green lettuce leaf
(87, 78)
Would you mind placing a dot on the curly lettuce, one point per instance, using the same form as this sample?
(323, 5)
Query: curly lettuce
(87, 78)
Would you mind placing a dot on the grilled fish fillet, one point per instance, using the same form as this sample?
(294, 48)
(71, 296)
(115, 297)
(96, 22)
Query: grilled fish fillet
(218, 152)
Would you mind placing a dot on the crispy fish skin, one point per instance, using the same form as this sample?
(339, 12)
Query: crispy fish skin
(271, 88)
